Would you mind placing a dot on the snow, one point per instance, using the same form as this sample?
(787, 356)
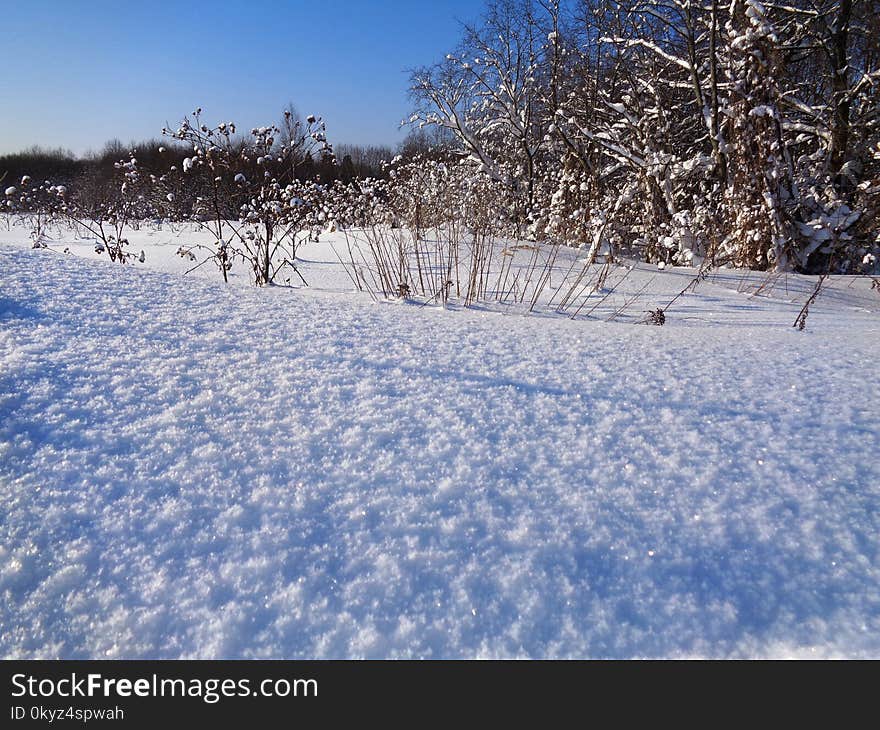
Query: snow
(762, 110)
(189, 469)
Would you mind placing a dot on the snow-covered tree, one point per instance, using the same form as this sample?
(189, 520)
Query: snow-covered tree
(736, 130)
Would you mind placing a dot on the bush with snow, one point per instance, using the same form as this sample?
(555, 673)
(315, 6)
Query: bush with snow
(248, 193)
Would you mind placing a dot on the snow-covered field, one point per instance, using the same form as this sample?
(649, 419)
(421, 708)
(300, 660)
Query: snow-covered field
(189, 469)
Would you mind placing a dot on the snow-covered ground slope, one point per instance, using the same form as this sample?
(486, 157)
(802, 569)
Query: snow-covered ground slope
(189, 469)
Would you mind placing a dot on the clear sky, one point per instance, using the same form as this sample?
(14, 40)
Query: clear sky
(77, 73)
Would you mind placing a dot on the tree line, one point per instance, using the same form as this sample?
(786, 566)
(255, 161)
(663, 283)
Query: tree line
(61, 166)
(744, 131)
(675, 131)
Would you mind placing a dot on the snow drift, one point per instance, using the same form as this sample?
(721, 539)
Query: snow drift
(192, 470)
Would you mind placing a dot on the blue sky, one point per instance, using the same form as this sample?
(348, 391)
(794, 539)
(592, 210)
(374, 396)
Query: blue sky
(77, 72)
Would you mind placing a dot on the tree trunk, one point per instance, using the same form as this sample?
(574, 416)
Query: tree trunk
(840, 92)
